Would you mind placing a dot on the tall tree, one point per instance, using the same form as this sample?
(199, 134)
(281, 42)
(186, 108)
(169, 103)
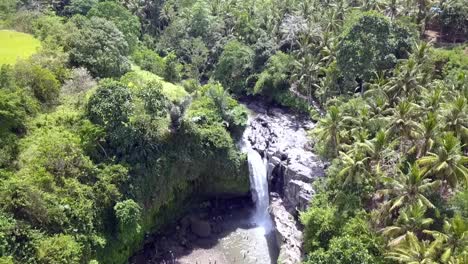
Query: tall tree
(447, 163)
(409, 188)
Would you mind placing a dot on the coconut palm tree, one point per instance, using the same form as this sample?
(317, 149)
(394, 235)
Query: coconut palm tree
(447, 163)
(329, 128)
(409, 188)
(410, 220)
(406, 82)
(454, 237)
(456, 116)
(460, 259)
(355, 169)
(402, 122)
(427, 133)
(432, 99)
(414, 251)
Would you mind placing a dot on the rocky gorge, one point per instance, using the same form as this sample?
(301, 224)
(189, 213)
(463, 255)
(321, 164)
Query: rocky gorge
(281, 139)
(282, 168)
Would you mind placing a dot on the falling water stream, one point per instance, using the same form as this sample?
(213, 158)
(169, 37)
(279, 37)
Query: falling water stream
(259, 186)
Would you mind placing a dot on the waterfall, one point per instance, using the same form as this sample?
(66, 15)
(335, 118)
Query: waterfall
(258, 184)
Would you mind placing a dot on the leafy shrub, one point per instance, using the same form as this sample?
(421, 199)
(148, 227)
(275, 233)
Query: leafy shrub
(111, 104)
(99, 46)
(275, 78)
(320, 222)
(59, 249)
(15, 107)
(173, 68)
(51, 29)
(343, 250)
(126, 23)
(154, 101)
(7, 8)
(150, 61)
(234, 66)
(58, 152)
(454, 17)
(128, 214)
(41, 81)
(80, 7)
(190, 85)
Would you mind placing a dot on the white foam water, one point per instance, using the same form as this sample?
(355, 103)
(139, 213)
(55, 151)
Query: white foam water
(258, 184)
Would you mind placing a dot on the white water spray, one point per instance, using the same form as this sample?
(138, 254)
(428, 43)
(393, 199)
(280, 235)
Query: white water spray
(258, 184)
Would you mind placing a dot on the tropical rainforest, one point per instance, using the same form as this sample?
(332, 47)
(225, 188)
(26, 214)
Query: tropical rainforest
(127, 107)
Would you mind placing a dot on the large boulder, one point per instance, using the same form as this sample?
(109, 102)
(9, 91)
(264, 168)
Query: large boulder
(200, 227)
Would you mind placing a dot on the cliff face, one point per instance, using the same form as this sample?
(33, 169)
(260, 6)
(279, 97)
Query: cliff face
(291, 166)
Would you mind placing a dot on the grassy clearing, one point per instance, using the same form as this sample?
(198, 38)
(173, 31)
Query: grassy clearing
(14, 45)
(174, 92)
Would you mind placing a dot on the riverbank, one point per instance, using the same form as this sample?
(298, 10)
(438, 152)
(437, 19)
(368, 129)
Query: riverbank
(218, 231)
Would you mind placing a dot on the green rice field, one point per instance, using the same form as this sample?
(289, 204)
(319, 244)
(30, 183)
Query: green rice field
(14, 45)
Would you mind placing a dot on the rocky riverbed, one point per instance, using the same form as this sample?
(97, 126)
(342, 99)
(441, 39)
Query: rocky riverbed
(219, 232)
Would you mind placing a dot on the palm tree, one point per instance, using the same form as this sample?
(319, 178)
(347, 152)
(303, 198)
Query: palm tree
(454, 237)
(460, 259)
(401, 122)
(307, 64)
(378, 107)
(410, 220)
(406, 82)
(414, 251)
(355, 169)
(328, 129)
(409, 188)
(432, 99)
(456, 116)
(448, 163)
(427, 132)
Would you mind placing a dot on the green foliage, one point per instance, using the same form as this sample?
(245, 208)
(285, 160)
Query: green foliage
(460, 202)
(139, 78)
(172, 68)
(453, 18)
(59, 249)
(190, 85)
(41, 81)
(79, 7)
(366, 47)
(8, 8)
(51, 30)
(275, 78)
(125, 22)
(345, 250)
(66, 195)
(15, 107)
(111, 104)
(150, 61)
(99, 46)
(234, 66)
(128, 214)
(214, 106)
(201, 22)
(321, 224)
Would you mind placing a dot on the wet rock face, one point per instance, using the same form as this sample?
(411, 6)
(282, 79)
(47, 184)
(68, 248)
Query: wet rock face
(281, 138)
(288, 233)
